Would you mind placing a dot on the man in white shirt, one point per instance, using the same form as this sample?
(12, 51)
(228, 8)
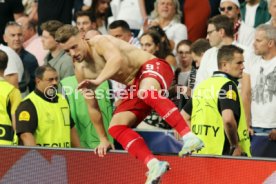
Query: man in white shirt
(243, 33)
(261, 111)
(14, 71)
(219, 32)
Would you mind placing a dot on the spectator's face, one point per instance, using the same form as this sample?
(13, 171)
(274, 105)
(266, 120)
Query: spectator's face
(76, 47)
(184, 55)
(166, 9)
(14, 37)
(213, 36)
(120, 33)
(230, 10)
(103, 6)
(272, 8)
(48, 41)
(148, 45)
(261, 43)
(235, 67)
(48, 83)
(196, 59)
(27, 32)
(84, 24)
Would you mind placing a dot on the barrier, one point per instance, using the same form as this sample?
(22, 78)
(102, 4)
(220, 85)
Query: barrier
(41, 165)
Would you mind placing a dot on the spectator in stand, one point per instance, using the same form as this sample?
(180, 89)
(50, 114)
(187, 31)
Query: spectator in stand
(56, 57)
(185, 62)
(167, 15)
(261, 116)
(167, 46)
(81, 5)
(254, 12)
(43, 118)
(151, 41)
(243, 33)
(272, 11)
(10, 99)
(13, 36)
(14, 71)
(101, 10)
(9, 11)
(85, 21)
(121, 10)
(120, 29)
(219, 32)
(198, 48)
(183, 72)
(216, 104)
(32, 42)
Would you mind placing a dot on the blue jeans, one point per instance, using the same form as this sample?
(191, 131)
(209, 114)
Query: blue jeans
(261, 146)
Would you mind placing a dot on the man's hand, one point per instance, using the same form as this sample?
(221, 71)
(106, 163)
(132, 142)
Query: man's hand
(237, 151)
(272, 135)
(103, 147)
(88, 84)
(250, 131)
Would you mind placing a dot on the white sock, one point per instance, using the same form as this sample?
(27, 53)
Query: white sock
(152, 162)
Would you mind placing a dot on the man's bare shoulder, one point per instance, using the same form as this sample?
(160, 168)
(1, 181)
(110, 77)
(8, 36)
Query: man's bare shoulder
(99, 38)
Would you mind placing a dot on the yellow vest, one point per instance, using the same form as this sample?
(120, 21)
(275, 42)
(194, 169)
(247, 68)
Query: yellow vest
(6, 130)
(206, 120)
(53, 127)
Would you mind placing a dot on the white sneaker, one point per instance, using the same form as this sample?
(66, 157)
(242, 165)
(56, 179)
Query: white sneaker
(157, 171)
(191, 143)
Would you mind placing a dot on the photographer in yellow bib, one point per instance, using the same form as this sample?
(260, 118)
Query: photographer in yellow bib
(10, 98)
(216, 112)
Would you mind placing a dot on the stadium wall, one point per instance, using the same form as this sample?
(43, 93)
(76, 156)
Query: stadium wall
(40, 165)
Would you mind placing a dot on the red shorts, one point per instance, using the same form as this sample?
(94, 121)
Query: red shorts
(155, 68)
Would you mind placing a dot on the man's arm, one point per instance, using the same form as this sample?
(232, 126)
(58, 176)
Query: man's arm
(26, 122)
(230, 127)
(15, 99)
(187, 111)
(246, 99)
(75, 140)
(229, 106)
(28, 139)
(96, 118)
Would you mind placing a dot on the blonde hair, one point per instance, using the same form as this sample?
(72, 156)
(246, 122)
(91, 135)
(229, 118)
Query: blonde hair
(65, 32)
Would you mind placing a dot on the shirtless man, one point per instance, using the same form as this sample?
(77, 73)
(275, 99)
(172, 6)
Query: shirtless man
(105, 57)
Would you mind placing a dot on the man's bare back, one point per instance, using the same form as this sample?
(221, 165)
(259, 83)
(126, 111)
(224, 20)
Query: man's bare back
(103, 49)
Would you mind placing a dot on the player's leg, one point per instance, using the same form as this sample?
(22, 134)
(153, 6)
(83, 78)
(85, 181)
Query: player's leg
(149, 92)
(120, 129)
(135, 145)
